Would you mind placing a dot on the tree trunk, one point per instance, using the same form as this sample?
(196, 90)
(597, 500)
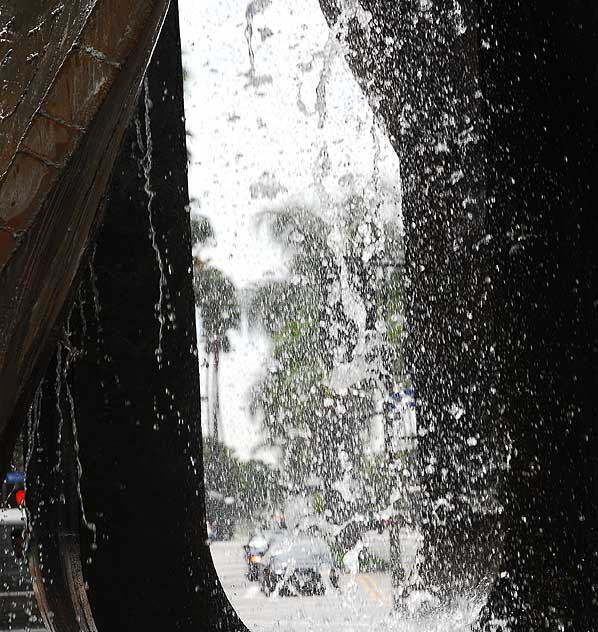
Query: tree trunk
(134, 382)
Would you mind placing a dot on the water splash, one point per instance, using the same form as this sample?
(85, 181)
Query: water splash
(58, 389)
(346, 374)
(33, 418)
(351, 10)
(306, 67)
(81, 304)
(147, 150)
(460, 28)
(71, 354)
(322, 165)
(321, 168)
(65, 355)
(95, 291)
(377, 157)
(254, 8)
(330, 53)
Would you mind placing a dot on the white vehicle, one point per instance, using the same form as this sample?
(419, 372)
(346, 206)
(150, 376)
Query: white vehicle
(12, 517)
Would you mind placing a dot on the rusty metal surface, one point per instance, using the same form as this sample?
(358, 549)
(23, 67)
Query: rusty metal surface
(70, 78)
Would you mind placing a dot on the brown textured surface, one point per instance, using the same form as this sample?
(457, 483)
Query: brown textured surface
(80, 87)
(7, 243)
(36, 37)
(51, 140)
(113, 26)
(25, 185)
(39, 280)
(74, 81)
(26, 31)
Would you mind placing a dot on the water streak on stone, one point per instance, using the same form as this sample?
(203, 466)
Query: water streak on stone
(95, 291)
(147, 149)
(58, 389)
(88, 524)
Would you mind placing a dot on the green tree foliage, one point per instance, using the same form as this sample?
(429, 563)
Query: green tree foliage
(339, 307)
(201, 230)
(237, 490)
(217, 300)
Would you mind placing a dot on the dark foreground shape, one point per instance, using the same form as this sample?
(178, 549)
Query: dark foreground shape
(419, 64)
(70, 78)
(540, 79)
(125, 378)
(492, 108)
(134, 385)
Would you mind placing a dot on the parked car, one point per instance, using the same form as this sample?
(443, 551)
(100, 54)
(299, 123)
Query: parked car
(295, 565)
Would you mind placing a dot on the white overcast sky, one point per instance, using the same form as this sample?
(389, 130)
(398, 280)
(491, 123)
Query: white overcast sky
(240, 131)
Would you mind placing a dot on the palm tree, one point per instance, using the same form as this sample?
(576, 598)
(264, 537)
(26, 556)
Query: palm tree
(216, 298)
(317, 340)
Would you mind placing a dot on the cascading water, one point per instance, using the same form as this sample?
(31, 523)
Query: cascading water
(32, 444)
(58, 389)
(321, 165)
(254, 8)
(70, 356)
(329, 55)
(95, 291)
(33, 417)
(146, 149)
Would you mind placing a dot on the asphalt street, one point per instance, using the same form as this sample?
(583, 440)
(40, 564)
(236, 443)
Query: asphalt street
(362, 603)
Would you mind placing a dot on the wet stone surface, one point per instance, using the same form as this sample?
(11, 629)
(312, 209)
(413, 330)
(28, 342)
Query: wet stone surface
(113, 27)
(27, 182)
(79, 89)
(52, 141)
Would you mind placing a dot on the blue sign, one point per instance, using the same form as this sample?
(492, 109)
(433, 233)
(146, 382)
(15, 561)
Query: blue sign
(14, 477)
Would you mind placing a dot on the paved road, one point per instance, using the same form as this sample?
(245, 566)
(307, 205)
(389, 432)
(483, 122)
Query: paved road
(363, 601)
